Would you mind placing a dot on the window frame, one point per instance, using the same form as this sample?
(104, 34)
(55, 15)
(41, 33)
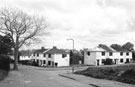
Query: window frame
(49, 63)
(33, 54)
(121, 53)
(37, 54)
(103, 53)
(49, 55)
(110, 53)
(127, 53)
(64, 55)
(121, 60)
(88, 53)
(44, 55)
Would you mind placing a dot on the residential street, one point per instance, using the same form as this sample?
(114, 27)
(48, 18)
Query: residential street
(28, 76)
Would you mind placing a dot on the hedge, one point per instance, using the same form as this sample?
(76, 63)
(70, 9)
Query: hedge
(5, 62)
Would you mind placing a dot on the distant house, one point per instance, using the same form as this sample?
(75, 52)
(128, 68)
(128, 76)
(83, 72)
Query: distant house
(97, 55)
(51, 57)
(25, 55)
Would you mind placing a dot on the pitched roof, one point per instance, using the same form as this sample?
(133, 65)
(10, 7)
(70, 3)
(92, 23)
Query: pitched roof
(120, 49)
(56, 51)
(106, 48)
(96, 49)
(25, 52)
(40, 50)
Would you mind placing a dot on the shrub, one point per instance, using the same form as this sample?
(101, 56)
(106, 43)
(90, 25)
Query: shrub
(24, 62)
(108, 62)
(128, 76)
(33, 63)
(4, 62)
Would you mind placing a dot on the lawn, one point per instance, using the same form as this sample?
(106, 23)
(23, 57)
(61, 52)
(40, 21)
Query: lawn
(123, 73)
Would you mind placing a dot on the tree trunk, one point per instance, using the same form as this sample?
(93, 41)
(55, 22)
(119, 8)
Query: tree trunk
(16, 59)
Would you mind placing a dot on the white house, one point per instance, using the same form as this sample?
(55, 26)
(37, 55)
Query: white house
(25, 55)
(97, 56)
(51, 57)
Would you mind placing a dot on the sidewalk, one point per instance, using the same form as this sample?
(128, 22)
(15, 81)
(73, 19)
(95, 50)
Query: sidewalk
(95, 82)
(14, 79)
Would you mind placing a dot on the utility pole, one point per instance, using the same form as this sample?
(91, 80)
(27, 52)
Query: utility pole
(73, 54)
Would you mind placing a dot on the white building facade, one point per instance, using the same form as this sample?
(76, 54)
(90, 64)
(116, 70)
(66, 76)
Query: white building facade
(97, 56)
(51, 57)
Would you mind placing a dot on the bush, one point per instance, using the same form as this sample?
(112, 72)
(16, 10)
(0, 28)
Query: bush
(128, 76)
(24, 62)
(122, 73)
(4, 62)
(108, 62)
(33, 63)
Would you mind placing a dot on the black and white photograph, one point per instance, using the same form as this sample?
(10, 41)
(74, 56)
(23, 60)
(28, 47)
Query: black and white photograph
(67, 43)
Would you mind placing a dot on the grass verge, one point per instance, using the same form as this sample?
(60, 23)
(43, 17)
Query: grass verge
(121, 73)
(3, 74)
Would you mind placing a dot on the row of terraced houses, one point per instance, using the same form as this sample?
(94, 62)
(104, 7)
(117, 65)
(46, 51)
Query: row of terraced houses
(94, 56)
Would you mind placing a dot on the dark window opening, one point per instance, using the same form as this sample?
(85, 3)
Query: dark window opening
(110, 53)
(56, 64)
(37, 54)
(127, 60)
(49, 55)
(44, 55)
(127, 53)
(121, 60)
(121, 53)
(44, 62)
(103, 53)
(49, 62)
(34, 54)
(97, 62)
(88, 53)
(64, 55)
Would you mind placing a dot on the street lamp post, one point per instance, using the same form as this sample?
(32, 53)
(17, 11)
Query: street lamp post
(73, 53)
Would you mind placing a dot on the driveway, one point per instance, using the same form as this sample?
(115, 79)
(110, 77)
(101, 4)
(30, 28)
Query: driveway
(29, 76)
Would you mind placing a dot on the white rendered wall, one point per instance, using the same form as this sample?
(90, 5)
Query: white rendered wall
(90, 59)
(61, 61)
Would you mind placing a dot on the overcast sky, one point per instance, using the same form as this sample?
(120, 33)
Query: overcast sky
(88, 22)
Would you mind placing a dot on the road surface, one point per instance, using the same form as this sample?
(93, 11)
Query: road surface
(40, 77)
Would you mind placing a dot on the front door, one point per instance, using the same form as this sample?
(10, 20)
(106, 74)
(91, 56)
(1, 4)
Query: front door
(116, 61)
(98, 62)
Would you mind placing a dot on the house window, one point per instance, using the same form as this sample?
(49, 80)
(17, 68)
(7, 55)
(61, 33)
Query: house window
(44, 55)
(103, 53)
(127, 60)
(121, 53)
(49, 55)
(49, 62)
(44, 62)
(121, 60)
(110, 53)
(33, 54)
(37, 54)
(56, 64)
(64, 55)
(127, 53)
(88, 53)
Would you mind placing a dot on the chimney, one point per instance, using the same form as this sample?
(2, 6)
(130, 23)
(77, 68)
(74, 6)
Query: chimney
(54, 47)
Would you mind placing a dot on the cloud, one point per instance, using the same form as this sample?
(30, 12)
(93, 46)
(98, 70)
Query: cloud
(88, 22)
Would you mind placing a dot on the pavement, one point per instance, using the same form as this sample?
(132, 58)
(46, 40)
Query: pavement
(95, 82)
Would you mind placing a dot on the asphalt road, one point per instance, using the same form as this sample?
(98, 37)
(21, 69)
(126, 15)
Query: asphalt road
(36, 77)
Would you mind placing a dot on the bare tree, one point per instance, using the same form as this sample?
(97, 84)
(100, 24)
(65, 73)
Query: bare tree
(21, 27)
